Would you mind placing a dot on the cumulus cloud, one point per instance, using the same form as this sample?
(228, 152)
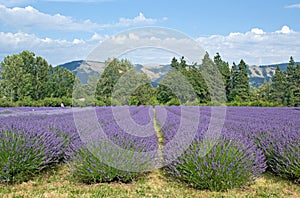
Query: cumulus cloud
(257, 31)
(256, 47)
(285, 30)
(139, 42)
(29, 17)
(293, 6)
(54, 50)
(140, 19)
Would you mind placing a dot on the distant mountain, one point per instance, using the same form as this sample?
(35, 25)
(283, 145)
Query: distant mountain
(258, 74)
(83, 69)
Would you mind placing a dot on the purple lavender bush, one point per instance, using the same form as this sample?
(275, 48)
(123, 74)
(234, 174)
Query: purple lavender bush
(220, 163)
(23, 154)
(31, 144)
(282, 151)
(230, 163)
(98, 164)
(117, 152)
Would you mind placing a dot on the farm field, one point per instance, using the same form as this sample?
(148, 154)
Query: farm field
(174, 152)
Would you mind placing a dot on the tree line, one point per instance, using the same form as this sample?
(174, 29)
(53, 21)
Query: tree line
(30, 80)
(27, 79)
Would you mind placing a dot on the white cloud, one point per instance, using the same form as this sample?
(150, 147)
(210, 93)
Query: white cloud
(285, 30)
(293, 6)
(256, 47)
(137, 42)
(138, 20)
(257, 31)
(29, 17)
(54, 50)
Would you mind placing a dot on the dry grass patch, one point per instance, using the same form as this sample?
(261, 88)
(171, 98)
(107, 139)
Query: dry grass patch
(59, 184)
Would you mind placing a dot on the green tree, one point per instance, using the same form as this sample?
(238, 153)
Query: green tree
(293, 84)
(263, 92)
(15, 80)
(240, 87)
(279, 86)
(213, 79)
(225, 71)
(25, 76)
(196, 79)
(61, 82)
(110, 76)
(297, 85)
(175, 86)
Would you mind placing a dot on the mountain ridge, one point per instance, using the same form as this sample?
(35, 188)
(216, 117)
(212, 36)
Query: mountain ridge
(83, 69)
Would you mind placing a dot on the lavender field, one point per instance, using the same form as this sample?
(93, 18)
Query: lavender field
(124, 143)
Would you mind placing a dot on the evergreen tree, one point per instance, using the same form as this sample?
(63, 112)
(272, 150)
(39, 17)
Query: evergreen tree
(263, 92)
(279, 86)
(240, 88)
(225, 71)
(297, 85)
(293, 86)
(214, 80)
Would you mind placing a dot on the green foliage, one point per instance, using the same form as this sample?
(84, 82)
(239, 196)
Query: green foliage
(214, 80)
(279, 87)
(175, 85)
(6, 103)
(113, 71)
(26, 77)
(120, 84)
(173, 101)
(27, 80)
(225, 72)
(52, 102)
(62, 82)
(239, 82)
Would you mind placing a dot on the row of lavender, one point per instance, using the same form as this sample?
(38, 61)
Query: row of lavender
(31, 144)
(250, 141)
(119, 143)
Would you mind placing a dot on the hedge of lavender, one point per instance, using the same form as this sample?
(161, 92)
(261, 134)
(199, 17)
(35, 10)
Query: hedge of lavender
(30, 144)
(100, 162)
(229, 161)
(276, 131)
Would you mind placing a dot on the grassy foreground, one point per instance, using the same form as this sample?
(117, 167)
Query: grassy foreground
(58, 184)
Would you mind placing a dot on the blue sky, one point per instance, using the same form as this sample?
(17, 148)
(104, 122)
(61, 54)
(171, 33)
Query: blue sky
(260, 32)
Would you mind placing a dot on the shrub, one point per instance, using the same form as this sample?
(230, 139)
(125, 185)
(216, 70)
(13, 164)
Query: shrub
(52, 102)
(23, 154)
(173, 101)
(6, 103)
(90, 167)
(230, 163)
(282, 151)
